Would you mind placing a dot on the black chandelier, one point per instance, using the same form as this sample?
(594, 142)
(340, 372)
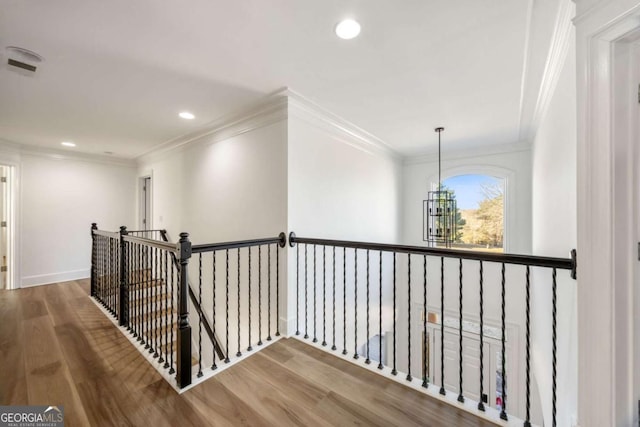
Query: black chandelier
(439, 217)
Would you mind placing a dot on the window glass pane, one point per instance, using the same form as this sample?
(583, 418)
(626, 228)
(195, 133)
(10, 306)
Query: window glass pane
(480, 204)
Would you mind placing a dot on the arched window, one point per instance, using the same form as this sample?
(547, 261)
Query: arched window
(480, 211)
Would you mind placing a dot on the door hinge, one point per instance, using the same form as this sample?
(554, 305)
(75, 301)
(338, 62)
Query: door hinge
(638, 251)
(3, 269)
(3, 224)
(3, 179)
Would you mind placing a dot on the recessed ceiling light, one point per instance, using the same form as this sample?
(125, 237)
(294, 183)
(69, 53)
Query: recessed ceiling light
(68, 144)
(187, 115)
(348, 29)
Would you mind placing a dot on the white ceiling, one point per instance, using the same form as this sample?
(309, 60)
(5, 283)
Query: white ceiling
(116, 73)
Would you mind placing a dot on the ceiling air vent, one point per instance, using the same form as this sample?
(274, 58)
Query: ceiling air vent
(22, 65)
(23, 58)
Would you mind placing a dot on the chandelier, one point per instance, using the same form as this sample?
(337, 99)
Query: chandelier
(439, 217)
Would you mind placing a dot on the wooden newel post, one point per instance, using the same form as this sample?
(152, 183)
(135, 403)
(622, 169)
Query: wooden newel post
(94, 226)
(123, 315)
(183, 362)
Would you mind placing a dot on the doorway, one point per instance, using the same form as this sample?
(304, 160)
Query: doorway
(6, 227)
(146, 221)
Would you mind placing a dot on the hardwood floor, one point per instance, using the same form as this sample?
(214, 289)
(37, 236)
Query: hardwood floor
(58, 348)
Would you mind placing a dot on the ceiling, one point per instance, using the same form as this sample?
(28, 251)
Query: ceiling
(116, 73)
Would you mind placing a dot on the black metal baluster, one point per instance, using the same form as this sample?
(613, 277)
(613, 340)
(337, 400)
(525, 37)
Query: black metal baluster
(333, 307)
(277, 292)
(227, 360)
(355, 294)
(442, 390)
(156, 312)
(213, 319)
(111, 264)
(141, 284)
(460, 395)
(409, 378)
(259, 295)
(380, 365)
(554, 338)
(199, 315)
(167, 309)
(315, 295)
(239, 353)
(249, 348)
(527, 420)
(306, 296)
(147, 302)
(344, 300)
(425, 374)
(173, 322)
(110, 275)
(394, 371)
(139, 301)
(297, 289)
(503, 412)
(481, 403)
(269, 292)
(367, 360)
(324, 292)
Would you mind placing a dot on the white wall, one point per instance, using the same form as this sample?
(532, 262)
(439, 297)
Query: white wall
(225, 186)
(59, 199)
(220, 189)
(338, 189)
(554, 234)
(514, 166)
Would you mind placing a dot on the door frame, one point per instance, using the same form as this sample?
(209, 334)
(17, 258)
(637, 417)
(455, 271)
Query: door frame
(13, 273)
(607, 245)
(141, 201)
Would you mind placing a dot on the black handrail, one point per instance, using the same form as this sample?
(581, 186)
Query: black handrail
(530, 260)
(210, 247)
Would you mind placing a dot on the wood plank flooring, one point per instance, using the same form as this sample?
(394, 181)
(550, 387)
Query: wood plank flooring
(58, 348)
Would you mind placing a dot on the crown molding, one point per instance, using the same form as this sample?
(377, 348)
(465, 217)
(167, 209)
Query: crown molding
(303, 108)
(269, 110)
(477, 152)
(556, 58)
(273, 108)
(20, 150)
(525, 66)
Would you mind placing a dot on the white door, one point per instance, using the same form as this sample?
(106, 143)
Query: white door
(4, 240)
(470, 364)
(145, 203)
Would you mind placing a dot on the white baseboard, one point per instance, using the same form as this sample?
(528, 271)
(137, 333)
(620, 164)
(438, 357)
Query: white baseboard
(45, 279)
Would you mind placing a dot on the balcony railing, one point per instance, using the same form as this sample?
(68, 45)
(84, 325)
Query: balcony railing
(360, 299)
(454, 323)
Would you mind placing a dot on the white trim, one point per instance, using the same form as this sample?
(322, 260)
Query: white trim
(555, 62)
(345, 131)
(18, 150)
(525, 66)
(267, 111)
(271, 109)
(490, 150)
(46, 279)
(603, 161)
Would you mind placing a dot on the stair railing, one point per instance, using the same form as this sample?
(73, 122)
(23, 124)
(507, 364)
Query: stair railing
(378, 286)
(142, 279)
